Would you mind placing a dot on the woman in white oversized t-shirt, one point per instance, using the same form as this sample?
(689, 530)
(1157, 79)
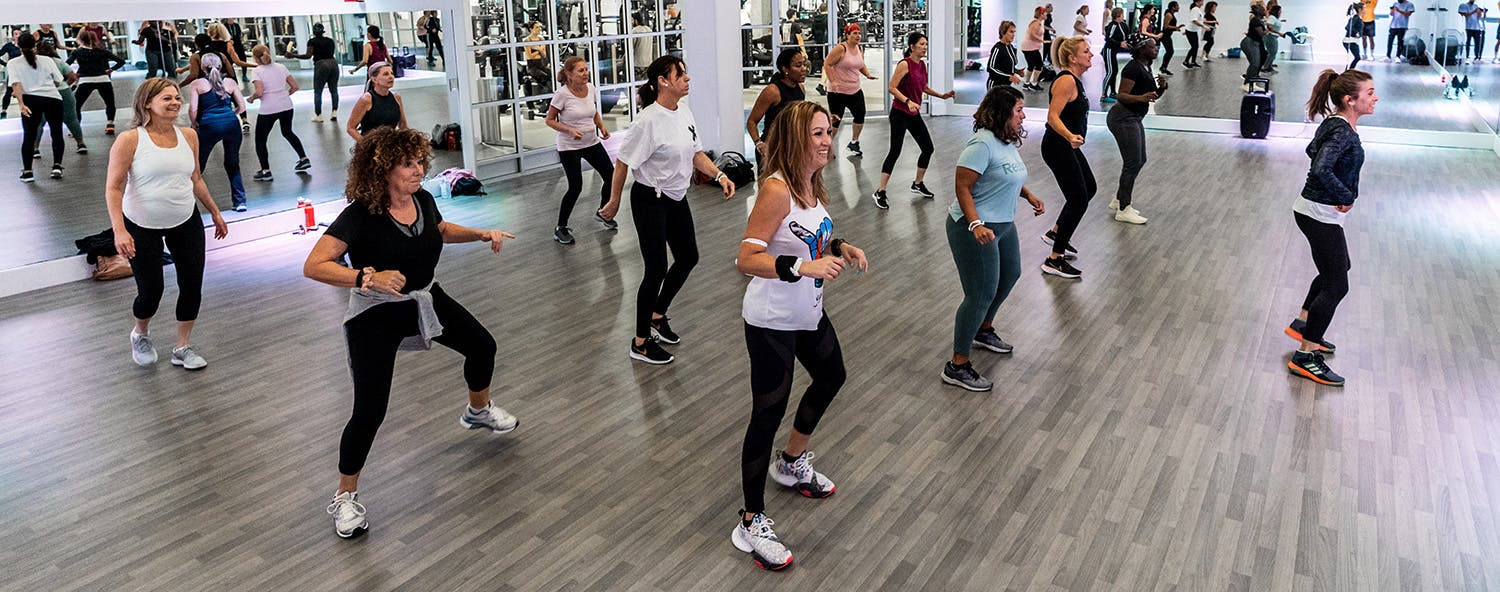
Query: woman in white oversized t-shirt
(150, 190)
(790, 251)
(274, 86)
(579, 131)
(663, 149)
(34, 80)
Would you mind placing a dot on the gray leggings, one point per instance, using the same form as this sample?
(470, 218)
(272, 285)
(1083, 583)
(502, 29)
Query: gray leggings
(1250, 49)
(987, 273)
(1130, 135)
(325, 74)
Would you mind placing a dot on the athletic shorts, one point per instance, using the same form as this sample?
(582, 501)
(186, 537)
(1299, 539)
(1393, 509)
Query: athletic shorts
(1369, 29)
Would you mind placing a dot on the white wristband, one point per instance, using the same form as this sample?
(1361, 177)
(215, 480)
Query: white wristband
(975, 224)
(797, 268)
(718, 176)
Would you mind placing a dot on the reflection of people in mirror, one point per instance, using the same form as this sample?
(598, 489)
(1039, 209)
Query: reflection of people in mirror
(1474, 29)
(326, 70)
(1367, 26)
(1401, 12)
(379, 106)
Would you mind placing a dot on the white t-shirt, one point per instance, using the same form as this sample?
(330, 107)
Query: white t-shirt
(40, 81)
(1195, 15)
(791, 306)
(1080, 24)
(275, 95)
(660, 148)
(578, 113)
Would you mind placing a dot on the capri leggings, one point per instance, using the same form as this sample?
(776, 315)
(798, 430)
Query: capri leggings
(773, 354)
(374, 337)
(186, 243)
(855, 103)
(901, 123)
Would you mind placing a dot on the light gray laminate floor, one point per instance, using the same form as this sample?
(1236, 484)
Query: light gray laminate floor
(1145, 435)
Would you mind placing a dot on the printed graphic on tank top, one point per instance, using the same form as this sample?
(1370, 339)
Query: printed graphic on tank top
(771, 303)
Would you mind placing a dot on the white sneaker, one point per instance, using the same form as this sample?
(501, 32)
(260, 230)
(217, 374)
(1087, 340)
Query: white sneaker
(760, 542)
(187, 358)
(490, 418)
(141, 349)
(317, 119)
(1130, 215)
(1114, 204)
(348, 515)
(800, 475)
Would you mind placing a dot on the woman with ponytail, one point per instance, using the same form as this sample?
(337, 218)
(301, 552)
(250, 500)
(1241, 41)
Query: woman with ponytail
(214, 107)
(785, 88)
(35, 82)
(580, 130)
(375, 50)
(1327, 196)
(70, 101)
(663, 148)
(1067, 123)
(379, 106)
(907, 87)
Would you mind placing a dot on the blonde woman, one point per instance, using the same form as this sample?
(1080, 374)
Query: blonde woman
(274, 86)
(1067, 123)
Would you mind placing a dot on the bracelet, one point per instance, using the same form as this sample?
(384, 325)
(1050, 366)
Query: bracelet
(975, 224)
(836, 246)
(719, 176)
(784, 265)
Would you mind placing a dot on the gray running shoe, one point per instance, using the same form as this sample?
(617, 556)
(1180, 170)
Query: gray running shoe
(141, 349)
(563, 235)
(187, 358)
(610, 224)
(988, 339)
(760, 542)
(348, 515)
(965, 377)
(490, 418)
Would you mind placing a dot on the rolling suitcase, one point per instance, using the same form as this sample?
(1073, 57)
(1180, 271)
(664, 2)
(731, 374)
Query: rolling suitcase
(1257, 109)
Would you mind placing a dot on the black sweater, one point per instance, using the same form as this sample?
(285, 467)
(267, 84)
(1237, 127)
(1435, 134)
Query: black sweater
(94, 62)
(1337, 157)
(1002, 64)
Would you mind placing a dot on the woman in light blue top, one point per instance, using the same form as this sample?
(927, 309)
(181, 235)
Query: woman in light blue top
(982, 231)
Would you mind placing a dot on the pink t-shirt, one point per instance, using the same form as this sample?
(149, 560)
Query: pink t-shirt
(843, 78)
(275, 95)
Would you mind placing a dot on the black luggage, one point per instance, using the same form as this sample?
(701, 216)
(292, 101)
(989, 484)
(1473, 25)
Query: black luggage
(1415, 51)
(1257, 109)
(1446, 49)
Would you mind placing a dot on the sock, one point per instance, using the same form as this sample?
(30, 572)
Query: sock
(473, 411)
(745, 521)
(788, 458)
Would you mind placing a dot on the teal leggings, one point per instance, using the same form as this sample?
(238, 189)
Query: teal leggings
(987, 273)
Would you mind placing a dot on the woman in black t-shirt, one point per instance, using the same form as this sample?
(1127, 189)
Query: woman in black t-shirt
(393, 234)
(1253, 43)
(1138, 89)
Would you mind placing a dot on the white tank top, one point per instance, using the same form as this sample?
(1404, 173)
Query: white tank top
(792, 306)
(159, 187)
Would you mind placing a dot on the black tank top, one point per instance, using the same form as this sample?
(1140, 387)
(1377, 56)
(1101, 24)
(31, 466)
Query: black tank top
(384, 111)
(789, 95)
(1075, 114)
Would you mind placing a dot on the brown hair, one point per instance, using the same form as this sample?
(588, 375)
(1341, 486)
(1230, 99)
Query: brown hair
(1006, 26)
(1065, 47)
(87, 38)
(371, 161)
(144, 94)
(995, 112)
(787, 145)
(1330, 90)
(562, 74)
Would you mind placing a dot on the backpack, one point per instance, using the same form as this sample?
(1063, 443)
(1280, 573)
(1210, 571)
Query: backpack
(734, 166)
(446, 137)
(468, 186)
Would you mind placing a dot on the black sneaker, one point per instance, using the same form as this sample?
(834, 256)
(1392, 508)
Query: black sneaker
(563, 235)
(965, 377)
(988, 339)
(663, 332)
(1310, 365)
(822, 90)
(303, 165)
(263, 176)
(921, 189)
(57, 170)
(1051, 238)
(83, 149)
(609, 224)
(1295, 332)
(854, 150)
(880, 201)
(27, 177)
(1060, 267)
(650, 352)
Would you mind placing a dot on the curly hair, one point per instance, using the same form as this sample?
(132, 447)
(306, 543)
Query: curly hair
(371, 161)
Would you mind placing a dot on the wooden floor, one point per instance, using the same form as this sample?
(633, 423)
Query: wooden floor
(1145, 435)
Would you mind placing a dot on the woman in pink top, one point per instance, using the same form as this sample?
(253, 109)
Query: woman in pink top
(844, 66)
(1031, 47)
(274, 86)
(908, 84)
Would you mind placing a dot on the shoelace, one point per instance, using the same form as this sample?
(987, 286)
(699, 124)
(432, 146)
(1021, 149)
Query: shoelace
(762, 528)
(185, 353)
(142, 345)
(803, 467)
(344, 506)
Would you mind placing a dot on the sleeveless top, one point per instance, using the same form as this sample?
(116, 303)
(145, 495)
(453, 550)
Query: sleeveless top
(384, 111)
(378, 52)
(911, 86)
(159, 185)
(844, 77)
(791, 306)
(214, 108)
(1075, 114)
(789, 95)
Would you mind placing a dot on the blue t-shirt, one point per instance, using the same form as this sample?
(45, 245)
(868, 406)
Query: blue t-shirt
(1471, 22)
(1001, 174)
(1400, 20)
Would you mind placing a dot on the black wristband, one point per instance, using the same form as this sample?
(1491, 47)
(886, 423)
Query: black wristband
(784, 265)
(359, 278)
(836, 246)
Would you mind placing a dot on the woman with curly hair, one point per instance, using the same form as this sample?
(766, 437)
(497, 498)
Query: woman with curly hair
(393, 234)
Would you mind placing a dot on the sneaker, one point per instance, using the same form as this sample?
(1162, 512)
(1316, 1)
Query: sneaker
(1165, 72)
(263, 176)
(141, 349)
(240, 208)
(1051, 237)
(334, 117)
(1060, 267)
(83, 149)
(663, 332)
(921, 189)
(1130, 215)
(800, 475)
(761, 543)
(1295, 330)
(650, 352)
(57, 170)
(109, 130)
(988, 339)
(1114, 205)
(303, 165)
(348, 515)
(965, 377)
(490, 418)
(28, 177)
(608, 224)
(822, 90)
(563, 235)
(1310, 365)
(1106, 99)
(854, 150)
(187, 358)
(880, 201)
(317, 119)
(245, 127)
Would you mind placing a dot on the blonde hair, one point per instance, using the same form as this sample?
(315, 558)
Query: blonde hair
(1065, 47)
(787, 148)
(262, 55)
(144, 94)
(218, 32)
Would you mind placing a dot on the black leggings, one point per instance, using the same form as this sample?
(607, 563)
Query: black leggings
(661, 223)
(901, 123)
(1192, 55)
(186, 243)
(1167, 49)
(373, 338)
(1208, 42)
(772, 356)
(1353, 49)
(855, 103)
(1330, 255)
(9, 93)
(106, 92)
(598, 158)
(263, 133)
(1395, 37)
(1475, 39)
(46, 108)
(1076, 182)
(1033, 60)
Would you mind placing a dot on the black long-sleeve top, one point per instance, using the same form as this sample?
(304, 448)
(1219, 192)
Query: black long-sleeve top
(1114, 37)
(94, 62)
(1002, 64)
(1337, 157)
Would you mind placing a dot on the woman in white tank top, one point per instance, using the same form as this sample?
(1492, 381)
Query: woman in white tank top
(151, 190)
(791, 251)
